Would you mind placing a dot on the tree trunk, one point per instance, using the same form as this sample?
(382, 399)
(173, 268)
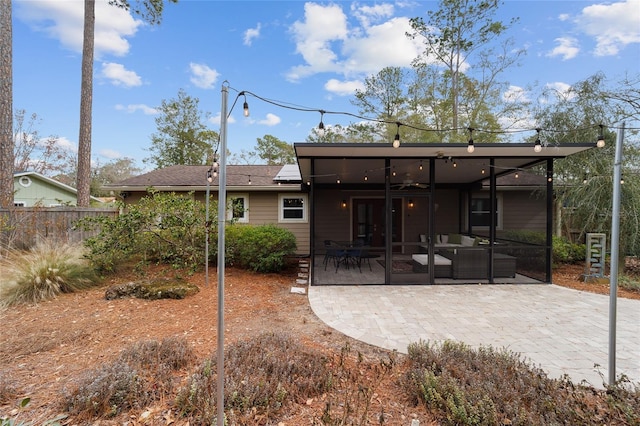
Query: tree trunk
(6, 105)
(86, 99)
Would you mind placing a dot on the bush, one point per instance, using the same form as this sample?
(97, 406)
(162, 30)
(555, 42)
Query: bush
(564, 251)
(43, 273)
(262, 248)
(162, 227)
(262, 376)
(463, 386)
(142, 374)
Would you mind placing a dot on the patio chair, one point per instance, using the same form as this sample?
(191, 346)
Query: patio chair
(333, 252)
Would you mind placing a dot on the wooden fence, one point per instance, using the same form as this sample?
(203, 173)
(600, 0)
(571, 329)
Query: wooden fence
(23, 227)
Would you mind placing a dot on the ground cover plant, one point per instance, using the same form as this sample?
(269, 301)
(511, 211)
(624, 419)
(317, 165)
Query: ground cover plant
(485, 386)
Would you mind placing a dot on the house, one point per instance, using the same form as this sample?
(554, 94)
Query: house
(375, 214)
(256, 194)
(32, 189)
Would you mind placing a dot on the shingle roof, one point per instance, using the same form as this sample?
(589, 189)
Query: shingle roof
(196, 176)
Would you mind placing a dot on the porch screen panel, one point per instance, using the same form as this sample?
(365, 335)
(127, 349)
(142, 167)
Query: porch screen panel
(521, 234)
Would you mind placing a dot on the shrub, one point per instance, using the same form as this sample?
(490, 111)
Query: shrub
(262, 248)
(262, 375)
(44, 272)
(564, 251)
(162, 227)
(141, 374)
(463, 386)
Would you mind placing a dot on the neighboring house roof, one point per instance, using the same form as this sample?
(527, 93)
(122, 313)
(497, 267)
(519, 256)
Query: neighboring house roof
(24, 178)
(194, 178)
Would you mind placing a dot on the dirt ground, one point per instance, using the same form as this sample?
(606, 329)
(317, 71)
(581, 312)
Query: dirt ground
(45, 347)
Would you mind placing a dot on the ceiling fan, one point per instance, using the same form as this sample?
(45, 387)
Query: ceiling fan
(407, 183)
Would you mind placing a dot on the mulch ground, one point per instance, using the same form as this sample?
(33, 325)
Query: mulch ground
(45, 348)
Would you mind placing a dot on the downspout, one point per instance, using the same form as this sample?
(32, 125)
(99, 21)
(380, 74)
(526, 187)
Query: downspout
(312, 222)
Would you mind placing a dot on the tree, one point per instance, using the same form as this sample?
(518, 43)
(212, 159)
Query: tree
(6, 105)
(273, 151)
(42, 155)
(114, 171)
(584, 182)
(181, 137)
(456, 32)
(151, 12)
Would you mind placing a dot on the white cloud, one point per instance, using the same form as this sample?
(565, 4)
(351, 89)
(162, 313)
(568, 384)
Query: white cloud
(270, 120)
(614, 26)
(368, 14)
(561, 90)
(251, 33)
(382, 46)
(322, 25)
(131, 108)
(328, 44)
(110, 153)
(343, 88)
(567, 48)
(202, 76)
(119, 75)
(63, 21)
(216, 119)
(66, 144)
(515, 94)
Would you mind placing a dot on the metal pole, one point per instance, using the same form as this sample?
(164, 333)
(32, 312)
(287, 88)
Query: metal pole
(615, 243)
(222, 202)
(206, 231)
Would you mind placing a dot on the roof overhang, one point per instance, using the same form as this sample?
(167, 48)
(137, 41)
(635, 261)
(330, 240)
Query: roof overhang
(350, 161)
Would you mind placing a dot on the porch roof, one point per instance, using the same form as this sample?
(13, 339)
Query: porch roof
(350, 162)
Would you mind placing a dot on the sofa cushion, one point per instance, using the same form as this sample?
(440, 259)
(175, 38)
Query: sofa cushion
(444, 238)
(467, 241)
(455, 239)
(423, 259)
(423, 238)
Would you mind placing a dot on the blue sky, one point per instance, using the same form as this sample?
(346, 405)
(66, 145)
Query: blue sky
(308, 54)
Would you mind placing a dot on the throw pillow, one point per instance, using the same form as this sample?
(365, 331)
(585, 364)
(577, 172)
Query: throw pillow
(455, 238)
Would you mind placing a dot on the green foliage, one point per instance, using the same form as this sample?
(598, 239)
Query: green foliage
(465, 386)
(262, 248)
(262, 376)
(564, 251)
(182, 137)
(141, 375)
(43, 273)
(162, 227)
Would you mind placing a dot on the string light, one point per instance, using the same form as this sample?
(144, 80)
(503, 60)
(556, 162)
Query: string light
(455, 164)
(366, 178)
(420, 167)
(321, 125)
(338, 179)
(396, 140)
(245, 106)
(209, 176)
(538, 145)
(249, 179)
(584, 179)
(470, 147)
(600, 143)
(621, 179)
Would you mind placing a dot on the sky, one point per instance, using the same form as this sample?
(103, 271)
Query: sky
(304, 54)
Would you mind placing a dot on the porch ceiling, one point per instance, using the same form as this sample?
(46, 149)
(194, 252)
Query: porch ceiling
(365, 163)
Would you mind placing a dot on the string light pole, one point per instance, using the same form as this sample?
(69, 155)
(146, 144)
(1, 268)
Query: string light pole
(615, 242)
(222, 202)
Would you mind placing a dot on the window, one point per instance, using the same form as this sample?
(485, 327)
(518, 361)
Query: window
(238, 208)
(292, 208)
(481, 212)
